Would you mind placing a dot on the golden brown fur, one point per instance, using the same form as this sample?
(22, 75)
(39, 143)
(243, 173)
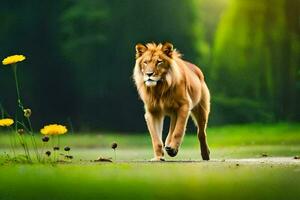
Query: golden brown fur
(170, 86)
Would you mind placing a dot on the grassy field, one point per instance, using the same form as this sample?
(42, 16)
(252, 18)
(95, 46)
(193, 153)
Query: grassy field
(229, 175)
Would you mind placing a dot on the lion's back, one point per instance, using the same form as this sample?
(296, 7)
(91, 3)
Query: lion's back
(195, 69)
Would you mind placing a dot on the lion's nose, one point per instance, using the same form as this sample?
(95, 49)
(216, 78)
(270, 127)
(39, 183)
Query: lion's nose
(149, 73)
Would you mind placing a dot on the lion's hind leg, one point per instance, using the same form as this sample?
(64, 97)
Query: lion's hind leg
(200, 115)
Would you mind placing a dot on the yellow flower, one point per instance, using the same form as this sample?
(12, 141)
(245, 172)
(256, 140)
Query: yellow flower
(6, 122)
(13, 59)
(54, 129)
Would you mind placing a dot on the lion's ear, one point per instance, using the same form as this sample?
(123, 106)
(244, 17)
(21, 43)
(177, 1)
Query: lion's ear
(140, 49)
(167, 48)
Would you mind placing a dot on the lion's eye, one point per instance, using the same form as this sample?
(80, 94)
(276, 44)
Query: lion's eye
(145, 62)
(159, 62)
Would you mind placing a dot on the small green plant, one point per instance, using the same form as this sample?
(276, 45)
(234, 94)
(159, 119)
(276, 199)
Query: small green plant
(54, 130)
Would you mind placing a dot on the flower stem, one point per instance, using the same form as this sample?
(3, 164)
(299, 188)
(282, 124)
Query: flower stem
(53, 145)
(20, 104)
(58, 147)
(12, 146)
(25, 147)
(33, 141)
(42, 155)
(13, 141)
(14, 66)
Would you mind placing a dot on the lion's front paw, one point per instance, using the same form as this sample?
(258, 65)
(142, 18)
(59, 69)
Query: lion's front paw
(171, 151)
(157, 159)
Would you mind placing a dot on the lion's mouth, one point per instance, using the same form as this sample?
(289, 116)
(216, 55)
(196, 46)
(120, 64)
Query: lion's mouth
(150, 83)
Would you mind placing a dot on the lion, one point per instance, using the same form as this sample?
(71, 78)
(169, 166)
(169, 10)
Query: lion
(170, 86)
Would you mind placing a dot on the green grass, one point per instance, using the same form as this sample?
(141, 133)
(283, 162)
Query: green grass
(133, 178)
(150, 181)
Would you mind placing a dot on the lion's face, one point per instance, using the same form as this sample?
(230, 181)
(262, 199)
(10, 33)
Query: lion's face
(153, 68)
(153, 62)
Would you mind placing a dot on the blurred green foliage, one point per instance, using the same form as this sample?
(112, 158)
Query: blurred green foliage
(256, 61)
(80, 57)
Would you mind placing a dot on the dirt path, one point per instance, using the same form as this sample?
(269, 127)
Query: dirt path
(248, 161)
(267, 160)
